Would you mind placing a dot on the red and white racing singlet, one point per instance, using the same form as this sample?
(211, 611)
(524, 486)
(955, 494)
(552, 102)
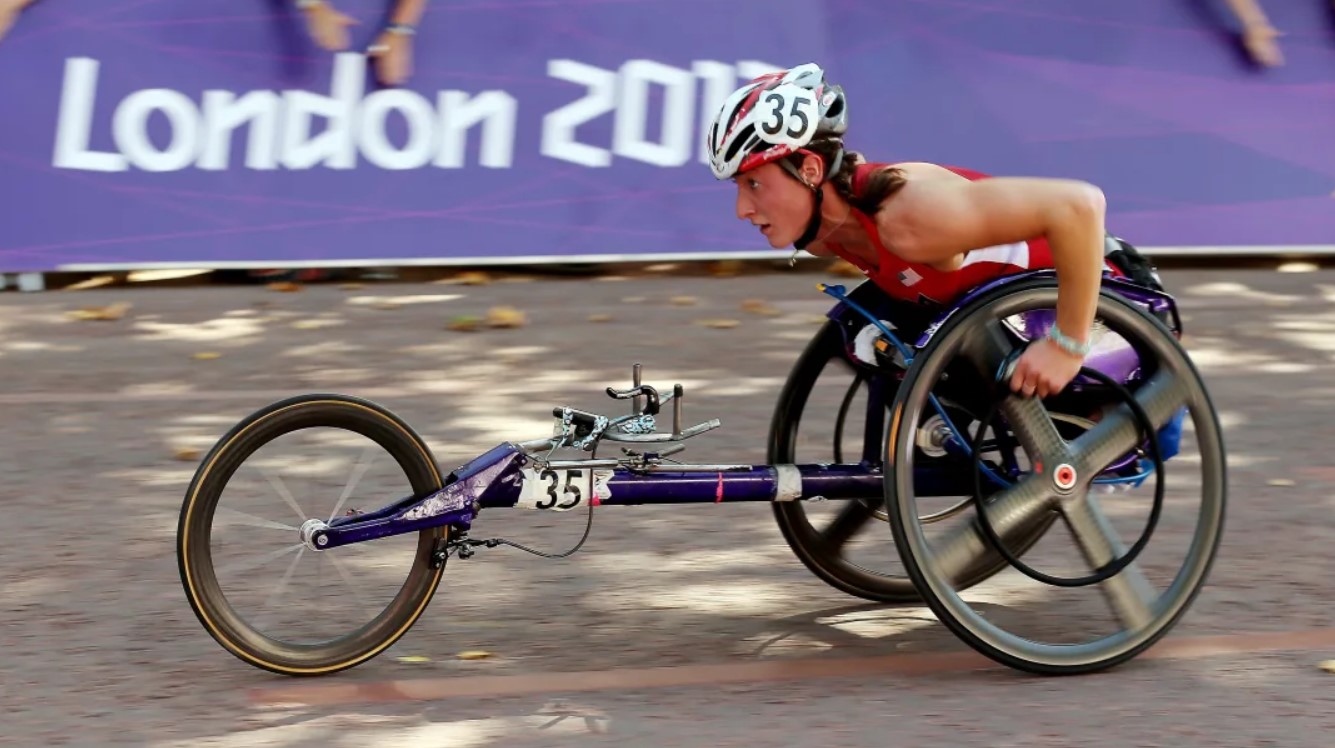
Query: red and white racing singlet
(920, 283)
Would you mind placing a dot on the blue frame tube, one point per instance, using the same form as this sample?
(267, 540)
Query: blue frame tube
(495, 480)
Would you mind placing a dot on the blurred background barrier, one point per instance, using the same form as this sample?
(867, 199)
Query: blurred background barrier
(251, 133)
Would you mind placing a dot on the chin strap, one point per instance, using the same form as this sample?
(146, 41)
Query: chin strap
(813, 225)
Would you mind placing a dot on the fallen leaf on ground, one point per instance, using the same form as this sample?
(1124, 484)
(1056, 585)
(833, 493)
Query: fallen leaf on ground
(464, 324)
(471, 279)
(413, 658)
(683, 300)
(761, 307)
(188, 454)
(474, 654)
(505, 316)
(725, 268)
(1328, 666)
(1281, 482)
(284, 286)
(720, 324)
(101, 313)
(600, 318)
(206, 355)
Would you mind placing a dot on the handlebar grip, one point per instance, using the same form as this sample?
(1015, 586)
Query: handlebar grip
(579, 418)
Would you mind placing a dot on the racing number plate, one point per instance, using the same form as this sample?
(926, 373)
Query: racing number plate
(558, 490)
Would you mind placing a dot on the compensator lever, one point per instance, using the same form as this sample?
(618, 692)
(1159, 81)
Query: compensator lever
(637, 391)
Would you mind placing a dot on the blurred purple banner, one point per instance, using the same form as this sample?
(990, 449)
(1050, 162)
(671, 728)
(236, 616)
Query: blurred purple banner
(216, 133)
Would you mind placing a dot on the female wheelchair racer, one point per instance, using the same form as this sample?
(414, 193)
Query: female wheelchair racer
(1084, 379)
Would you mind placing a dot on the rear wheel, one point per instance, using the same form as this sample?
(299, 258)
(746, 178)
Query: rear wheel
(832, 409)
(1089, 481)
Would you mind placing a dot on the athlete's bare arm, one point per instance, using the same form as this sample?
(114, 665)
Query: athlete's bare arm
(936, 221)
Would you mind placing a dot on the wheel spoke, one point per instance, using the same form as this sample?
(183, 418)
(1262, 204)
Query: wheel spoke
(1118, 432)
(986, 346)
(852, 518)
(1033, 427)
(357, 472)
(1013, 513)
(282, 583)
(843, 414)
(230, 516)
(281, 488)
(1129, 592)
(257, 561)
(347, 579)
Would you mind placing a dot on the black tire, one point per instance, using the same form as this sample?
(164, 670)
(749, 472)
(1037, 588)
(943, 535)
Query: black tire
(194, 556)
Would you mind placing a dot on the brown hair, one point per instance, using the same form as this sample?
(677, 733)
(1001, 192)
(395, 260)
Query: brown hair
(878, 186)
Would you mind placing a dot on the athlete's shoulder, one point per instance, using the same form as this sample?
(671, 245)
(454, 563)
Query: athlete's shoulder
(970, 174)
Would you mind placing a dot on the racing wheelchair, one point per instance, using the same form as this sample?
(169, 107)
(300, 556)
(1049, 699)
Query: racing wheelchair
(936, 420)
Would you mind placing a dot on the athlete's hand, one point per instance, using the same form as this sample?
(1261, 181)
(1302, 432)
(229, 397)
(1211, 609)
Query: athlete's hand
(9, 13)
(1261, 44)
(328, 27)
(393, 55)
(1044, 369)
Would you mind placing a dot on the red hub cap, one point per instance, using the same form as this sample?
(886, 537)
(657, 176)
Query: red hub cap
(1064, 476)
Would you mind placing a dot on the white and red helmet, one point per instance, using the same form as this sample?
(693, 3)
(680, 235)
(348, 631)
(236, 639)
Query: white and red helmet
(772, 116)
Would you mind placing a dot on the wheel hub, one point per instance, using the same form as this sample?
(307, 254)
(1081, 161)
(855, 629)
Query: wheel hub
(1064, 477)
(312, 534)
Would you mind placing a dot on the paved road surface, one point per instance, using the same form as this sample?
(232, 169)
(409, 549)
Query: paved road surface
(672, 626)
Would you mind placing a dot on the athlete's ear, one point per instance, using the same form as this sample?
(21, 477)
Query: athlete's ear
(813, 169)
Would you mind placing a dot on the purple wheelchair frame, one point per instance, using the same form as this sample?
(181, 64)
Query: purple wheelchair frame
(497, 478)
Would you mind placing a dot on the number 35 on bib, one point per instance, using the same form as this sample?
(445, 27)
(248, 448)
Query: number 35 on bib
(564, 489)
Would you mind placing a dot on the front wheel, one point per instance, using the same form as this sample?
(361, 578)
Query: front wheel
(354, 601)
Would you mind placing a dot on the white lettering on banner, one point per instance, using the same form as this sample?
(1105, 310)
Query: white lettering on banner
(629, 137)
(627, 92)
(335, 146)
(371, 124)
(298, 130)
(224, 112)
(130, 129)
(496, 110)
(719, 80)
(74, 124)
(558, 127)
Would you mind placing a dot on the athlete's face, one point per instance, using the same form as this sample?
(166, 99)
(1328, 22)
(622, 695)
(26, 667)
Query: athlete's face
(773, 201)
